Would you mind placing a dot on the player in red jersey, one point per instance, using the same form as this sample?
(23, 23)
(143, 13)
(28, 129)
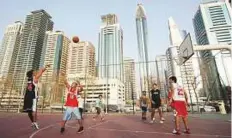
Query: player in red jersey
(180, 98)
(72, 105)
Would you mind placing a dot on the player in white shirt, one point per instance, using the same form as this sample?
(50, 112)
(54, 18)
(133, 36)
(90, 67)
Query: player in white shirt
(81, 104)
(179, 98)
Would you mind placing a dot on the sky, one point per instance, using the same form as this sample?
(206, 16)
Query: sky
(83, 18)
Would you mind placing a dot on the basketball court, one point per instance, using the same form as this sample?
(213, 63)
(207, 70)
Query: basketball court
(115, 126)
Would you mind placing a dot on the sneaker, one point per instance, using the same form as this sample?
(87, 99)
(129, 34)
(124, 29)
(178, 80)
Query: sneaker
(162, 119)
(36, 125)
(33, 125)
(176, 132)
(161, 122)
(187, 131)
(151, 121)
(62, 130)
(81, 129)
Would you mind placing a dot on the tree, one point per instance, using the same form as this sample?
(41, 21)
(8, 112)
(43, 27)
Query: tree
(195, 84)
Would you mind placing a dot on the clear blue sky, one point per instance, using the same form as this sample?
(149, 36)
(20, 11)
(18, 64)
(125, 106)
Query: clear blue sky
(82, 18)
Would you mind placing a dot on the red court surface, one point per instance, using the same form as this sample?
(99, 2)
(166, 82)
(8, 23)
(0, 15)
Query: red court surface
(115, 126)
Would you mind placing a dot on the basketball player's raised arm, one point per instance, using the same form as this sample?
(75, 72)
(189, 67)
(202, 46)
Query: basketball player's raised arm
(66, 84)
(39, 74)
(65, 81)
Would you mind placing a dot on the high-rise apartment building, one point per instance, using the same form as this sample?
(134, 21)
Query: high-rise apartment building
(129, 80)
(9, 49)
(110, 49)
(55, 54)
(81, 59)
(161, 70)
(184, 73)
(142, 34)
(213, 26)
(29, 55)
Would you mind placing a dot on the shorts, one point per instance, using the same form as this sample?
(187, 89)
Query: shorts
(81, 111)
(98, 110)
(156, 105)
(181, 109)
(144, 109)
(34, 105)
(172, 104)
(68, 113)
(30, 106)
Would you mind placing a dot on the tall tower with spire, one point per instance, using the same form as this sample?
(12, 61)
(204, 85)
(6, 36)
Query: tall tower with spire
(184, 73)
(142, 34)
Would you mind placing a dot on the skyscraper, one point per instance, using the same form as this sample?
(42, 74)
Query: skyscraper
(29, 54)
(110, 49)
(129, 80)
(184, 73)
(55, 52)
(212, 24)
(161, 70)
(142, 32)
(9, 49)
(81, 59)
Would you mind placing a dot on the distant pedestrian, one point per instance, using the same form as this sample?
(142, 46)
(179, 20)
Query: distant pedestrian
(100, 108)
(81, 104)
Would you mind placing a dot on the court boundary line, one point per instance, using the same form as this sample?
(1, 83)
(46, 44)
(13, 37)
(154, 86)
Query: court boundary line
(92, 126)
(49, 126)
(42, 129)
(155, 132)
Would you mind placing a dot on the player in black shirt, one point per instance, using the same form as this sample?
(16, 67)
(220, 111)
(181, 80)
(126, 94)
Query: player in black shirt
(156, 103)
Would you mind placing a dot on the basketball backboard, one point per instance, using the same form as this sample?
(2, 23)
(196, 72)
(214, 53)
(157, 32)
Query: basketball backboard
(185, 50)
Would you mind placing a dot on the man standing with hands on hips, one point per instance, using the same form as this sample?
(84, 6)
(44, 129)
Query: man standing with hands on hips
(156, 103)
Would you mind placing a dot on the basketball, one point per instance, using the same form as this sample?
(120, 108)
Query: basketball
(75, 39)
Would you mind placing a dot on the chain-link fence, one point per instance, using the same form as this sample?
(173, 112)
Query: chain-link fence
(203, 80)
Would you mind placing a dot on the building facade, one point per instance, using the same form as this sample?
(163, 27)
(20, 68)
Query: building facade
(55, 54)
(81, 59)
(30, 51)
(129, 80)
(161, 73)
(113, 88)
(142, 34)
(110, 48)
(212, 25)
(9, 50)
(184, 73)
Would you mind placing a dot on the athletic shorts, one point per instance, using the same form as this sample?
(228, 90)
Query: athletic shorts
(156, 105)
(172, 104)
(181, 109)
(98, 110)
(81, 111)
(68, 113)
(144, 109)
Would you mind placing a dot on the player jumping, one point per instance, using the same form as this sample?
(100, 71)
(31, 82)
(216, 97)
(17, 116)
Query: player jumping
(72, 105)
(179, 95)
(31, 95)
(156, 103)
